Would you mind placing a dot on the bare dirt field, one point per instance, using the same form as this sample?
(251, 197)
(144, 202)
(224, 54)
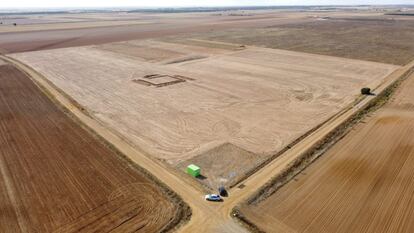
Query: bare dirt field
(32, 21)
(69, 25)
(256, 100)
(56, 177)
(363, 184)
(379, 38)
(69, 30)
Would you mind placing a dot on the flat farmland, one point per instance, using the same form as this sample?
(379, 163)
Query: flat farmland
(362, 184)
(56, 177)
(372, 37)
(34, 32)
(242, 104)
(49, 31)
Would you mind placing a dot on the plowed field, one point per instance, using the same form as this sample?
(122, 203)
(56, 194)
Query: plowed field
(80, 29)
(365, 183)
(368, 37)
(56, 177)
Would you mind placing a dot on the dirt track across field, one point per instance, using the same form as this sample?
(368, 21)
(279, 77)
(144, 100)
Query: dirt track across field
(231, 95)
(56, 177)
(362, 184)
(186, 188)
(207, 217)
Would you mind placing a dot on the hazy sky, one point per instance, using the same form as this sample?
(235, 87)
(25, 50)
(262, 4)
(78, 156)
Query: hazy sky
(158, 3)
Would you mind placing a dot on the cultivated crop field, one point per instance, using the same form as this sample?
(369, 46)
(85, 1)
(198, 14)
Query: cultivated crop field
(373, 37)
(250, 95)
(362, 184)
(48, 31)
(195, 102)
(56, 177)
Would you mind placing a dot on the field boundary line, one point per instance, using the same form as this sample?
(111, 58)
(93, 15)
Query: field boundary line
(209, 214)
(93, 124)
(164, 178)
(294, 163)
(344, 110)
(246, 46)
(76, 25)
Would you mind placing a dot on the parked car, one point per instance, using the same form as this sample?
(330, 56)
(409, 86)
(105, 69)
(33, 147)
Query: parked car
(223, 191)
(213, 197)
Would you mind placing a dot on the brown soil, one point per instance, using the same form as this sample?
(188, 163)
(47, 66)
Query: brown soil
(363, 184)
(380, 39)
(150, 54)
(223, 165)
(41, 36)
(84, 29)
(250, 104)
(55, 176)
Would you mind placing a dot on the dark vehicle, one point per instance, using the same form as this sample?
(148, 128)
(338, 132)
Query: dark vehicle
(223, 191)
(366, 91)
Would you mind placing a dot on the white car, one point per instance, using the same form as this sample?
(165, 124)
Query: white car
(213, 197)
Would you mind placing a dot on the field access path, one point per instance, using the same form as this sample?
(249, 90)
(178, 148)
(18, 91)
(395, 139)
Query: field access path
(364, 183)
(214, 217)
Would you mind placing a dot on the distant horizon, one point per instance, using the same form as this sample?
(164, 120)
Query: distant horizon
(99, 4)
(178, 7)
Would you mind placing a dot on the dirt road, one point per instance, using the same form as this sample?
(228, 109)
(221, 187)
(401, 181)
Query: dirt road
(201, 210)
(250, 106)
(254, 182)
(213, 217)
(362, 184)
(56, 177)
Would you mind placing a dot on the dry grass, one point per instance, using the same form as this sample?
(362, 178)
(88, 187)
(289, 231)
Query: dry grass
(257, 99)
